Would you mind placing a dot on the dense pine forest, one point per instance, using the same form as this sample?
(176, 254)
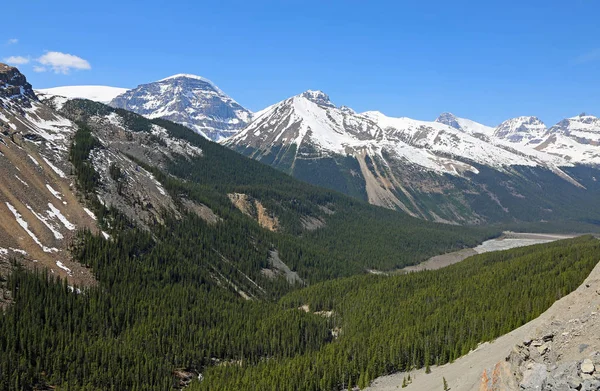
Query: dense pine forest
(167, 305)
(388, 324)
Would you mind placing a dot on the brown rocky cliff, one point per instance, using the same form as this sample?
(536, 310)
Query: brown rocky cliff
(14, 84)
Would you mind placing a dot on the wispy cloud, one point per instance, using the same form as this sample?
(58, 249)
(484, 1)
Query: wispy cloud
(590, 56)
(12, 41)
(61, 63)
(16, 60)
(37, 68)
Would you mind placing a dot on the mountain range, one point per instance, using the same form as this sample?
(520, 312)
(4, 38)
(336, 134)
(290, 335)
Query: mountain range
(139, 246)
(451, 170)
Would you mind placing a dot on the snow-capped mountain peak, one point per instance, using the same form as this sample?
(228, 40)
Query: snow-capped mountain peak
(186, 76)
(448, 119)
(575, 139)
(582, 125)
(521, 130)
(318, 97)
(189, 76)
(190, 100)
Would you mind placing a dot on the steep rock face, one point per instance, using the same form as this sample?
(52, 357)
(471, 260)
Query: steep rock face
(14, 85)
(190, 100)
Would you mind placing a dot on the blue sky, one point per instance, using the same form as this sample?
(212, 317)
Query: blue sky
(484, 60)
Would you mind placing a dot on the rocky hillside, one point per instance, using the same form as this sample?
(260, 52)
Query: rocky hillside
(450, 170)
(40, 209)
(190, 100)
(42, 201)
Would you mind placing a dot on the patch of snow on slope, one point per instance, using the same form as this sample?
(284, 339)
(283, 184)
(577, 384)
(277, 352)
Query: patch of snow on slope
(475, 127)
(54, 212)
(54, 192)
(102, 94)
(25, 226)
(62, 266)
(57, 170)
(314, 119)
(571, 150)
(90, 213)
(22, 181)
(44, 221)
(34, 161)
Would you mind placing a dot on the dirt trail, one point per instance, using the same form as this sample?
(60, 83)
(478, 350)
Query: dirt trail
(465, 373)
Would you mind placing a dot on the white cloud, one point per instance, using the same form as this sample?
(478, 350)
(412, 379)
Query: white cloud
(63, 62)
(37, 68)
(590, 56)
(16, 60)
(12, 41)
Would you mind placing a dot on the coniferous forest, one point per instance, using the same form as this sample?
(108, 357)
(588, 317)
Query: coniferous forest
(167, 299)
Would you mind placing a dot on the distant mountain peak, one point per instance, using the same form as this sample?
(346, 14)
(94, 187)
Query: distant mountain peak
(190, 77)
(318, 97)
(190, 100)
(523, 129)
(448, 119)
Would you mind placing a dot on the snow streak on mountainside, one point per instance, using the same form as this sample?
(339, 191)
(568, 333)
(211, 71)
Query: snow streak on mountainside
(190, 100)
(102, 94)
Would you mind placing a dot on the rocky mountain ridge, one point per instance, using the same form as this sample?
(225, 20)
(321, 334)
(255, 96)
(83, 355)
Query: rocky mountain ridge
(434, 170)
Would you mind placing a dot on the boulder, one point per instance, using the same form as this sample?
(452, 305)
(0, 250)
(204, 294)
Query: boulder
(534, 378)
(587, 366)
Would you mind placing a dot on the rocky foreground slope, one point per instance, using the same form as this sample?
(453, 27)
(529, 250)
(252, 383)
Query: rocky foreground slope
(559, 350)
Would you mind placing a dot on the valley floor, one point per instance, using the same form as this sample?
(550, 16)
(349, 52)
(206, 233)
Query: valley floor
(507, 241)
(573, 320)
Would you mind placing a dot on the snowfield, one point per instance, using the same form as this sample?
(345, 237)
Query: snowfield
(102, 94)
